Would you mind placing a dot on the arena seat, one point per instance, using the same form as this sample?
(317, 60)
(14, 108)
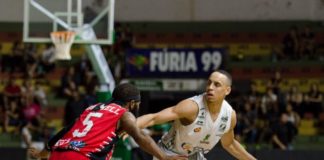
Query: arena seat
(307, 127)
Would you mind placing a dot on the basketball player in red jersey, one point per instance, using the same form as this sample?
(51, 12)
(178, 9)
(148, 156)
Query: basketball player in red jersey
(93, 135)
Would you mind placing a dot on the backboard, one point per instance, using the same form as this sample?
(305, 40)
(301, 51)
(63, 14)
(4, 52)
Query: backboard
(41, 17)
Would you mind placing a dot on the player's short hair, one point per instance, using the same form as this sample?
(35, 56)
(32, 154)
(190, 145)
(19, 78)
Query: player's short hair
(125, 93)
(227, 75)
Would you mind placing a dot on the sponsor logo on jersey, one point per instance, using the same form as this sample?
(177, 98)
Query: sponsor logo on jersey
(77, 144)
(224, 119)
(62, 142)
(222, 127)
(202, 115)
(198, 129)
(201, 123)
(187, 147)
(205, 140)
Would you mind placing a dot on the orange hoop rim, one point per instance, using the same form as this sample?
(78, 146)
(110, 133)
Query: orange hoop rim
(58, 33)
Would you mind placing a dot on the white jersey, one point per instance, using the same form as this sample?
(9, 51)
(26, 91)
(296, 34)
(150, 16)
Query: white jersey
(201, 135)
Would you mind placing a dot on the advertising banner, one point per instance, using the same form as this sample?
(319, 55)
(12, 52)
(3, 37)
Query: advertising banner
(173, 62)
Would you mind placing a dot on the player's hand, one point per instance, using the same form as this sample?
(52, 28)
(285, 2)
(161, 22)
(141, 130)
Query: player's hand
(176, 158)
(33, 152)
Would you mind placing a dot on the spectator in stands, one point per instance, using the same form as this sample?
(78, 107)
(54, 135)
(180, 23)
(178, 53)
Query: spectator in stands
(291, 44)
(27, 88)
(314, 100)
(249, 119)
(85, 71)
(48, 58)
(240, 127)
(30, 133)
(11, 91)
(253, 95)
(269, 104)
(293, 116)
(31, 110)
(295, 97)
(307, 44)
(40, 94)
(283, 133)
(69, 82)
(275, 85)
(13, 117)
(275, 82)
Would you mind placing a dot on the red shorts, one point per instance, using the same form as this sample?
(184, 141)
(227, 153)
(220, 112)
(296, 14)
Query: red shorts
(67, 155)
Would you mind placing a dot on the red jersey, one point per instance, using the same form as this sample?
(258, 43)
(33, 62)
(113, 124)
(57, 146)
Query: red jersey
(94, 133)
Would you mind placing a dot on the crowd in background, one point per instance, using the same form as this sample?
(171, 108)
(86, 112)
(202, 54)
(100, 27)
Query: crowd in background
(271, 117)
(275, 115)
(298, 43)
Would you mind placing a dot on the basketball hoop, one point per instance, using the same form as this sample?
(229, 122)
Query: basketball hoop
(63, 41)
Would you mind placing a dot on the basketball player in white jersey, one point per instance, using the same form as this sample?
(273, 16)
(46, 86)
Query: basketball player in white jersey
(200, 122)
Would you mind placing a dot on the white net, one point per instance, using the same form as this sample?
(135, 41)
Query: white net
(63, 41)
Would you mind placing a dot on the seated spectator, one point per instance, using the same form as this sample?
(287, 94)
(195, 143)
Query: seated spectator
(27, 88)
(30, 133)
(40, 94)
(69, 82)
(13, 118)
(31, 110)
(296, 98)
(11, 90)
(283, 133)
(293, 116)
(250, 122)
(269, 105)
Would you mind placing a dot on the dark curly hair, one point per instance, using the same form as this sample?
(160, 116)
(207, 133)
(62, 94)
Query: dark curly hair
(126, 92)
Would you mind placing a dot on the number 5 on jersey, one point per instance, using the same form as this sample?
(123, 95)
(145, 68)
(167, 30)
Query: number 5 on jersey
(88, 123)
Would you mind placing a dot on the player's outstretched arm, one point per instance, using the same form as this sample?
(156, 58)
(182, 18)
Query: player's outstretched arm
(183, 109)
(233, 146)
(128, 124)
